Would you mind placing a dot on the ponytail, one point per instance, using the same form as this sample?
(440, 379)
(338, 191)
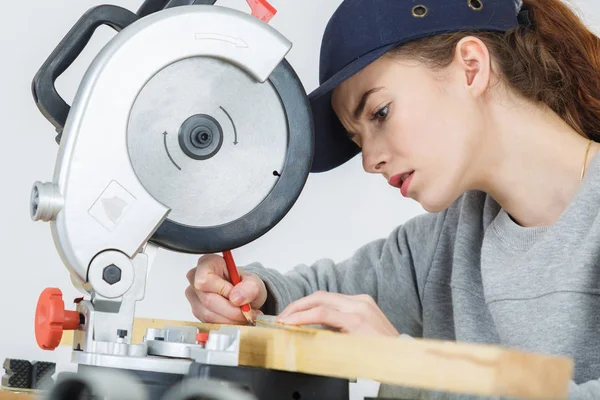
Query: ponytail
(551, 57)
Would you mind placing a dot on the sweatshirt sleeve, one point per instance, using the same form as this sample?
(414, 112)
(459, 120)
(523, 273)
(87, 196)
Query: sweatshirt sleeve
(391, 270)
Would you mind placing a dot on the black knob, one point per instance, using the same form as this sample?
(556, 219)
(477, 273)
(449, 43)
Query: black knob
(200, 137)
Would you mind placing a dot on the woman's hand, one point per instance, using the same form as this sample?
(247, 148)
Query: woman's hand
(214, 299)
(350, 314)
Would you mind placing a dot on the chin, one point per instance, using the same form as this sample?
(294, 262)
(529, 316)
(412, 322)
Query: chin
(433, 208)
(435, 202)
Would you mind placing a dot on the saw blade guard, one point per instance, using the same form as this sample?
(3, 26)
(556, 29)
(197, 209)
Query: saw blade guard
(189, 130)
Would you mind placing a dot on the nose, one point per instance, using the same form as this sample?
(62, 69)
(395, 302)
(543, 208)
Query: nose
(373, 160)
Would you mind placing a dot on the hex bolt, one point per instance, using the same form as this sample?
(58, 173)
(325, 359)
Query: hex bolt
(111, 274)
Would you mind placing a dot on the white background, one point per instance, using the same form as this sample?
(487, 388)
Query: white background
(336, 213)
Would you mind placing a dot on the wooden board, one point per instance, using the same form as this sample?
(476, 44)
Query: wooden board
(443, 366)
(10, 395)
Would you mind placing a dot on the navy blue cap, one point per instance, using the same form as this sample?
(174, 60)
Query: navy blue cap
(361, 31)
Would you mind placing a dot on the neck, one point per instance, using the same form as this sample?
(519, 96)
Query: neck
(531, 164)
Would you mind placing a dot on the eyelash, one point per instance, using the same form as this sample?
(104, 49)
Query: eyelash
(375, 115)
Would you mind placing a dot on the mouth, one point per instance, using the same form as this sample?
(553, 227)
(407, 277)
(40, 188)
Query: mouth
(398, 180)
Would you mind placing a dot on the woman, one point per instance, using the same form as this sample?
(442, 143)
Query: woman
(485, 112)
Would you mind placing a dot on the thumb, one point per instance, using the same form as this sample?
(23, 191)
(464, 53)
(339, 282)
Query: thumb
(241, 294)
(244, 292)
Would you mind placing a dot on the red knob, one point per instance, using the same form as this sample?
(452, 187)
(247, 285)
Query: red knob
(51, 319)
(202, 337)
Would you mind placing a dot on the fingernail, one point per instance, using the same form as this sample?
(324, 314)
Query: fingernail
(236, 298)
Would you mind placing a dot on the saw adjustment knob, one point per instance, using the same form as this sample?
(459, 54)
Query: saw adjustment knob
(51, 319)
(202, 337)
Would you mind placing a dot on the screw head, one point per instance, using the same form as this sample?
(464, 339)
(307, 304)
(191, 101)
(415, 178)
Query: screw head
(111, 274)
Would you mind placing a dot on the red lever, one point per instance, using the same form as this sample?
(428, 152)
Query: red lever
(262, 10)
(51, 319)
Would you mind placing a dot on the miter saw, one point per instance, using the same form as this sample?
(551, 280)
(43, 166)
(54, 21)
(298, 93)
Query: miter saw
(190, 132)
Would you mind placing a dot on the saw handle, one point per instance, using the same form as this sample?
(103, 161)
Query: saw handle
(261, 9)
(47, 99)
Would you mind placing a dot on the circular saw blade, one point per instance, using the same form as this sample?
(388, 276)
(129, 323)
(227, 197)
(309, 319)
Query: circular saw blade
(243, 170)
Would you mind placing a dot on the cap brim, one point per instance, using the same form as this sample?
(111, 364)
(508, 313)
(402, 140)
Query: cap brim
(332, 146)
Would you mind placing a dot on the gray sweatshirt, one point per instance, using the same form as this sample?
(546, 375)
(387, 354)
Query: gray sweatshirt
(471, 274)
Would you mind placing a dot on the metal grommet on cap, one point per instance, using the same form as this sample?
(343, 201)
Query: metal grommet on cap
(419, 11)
(476, 5)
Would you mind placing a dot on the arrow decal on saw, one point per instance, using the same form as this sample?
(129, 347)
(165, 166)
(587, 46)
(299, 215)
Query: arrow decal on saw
(235, 140)
(167, 150)
(238, 42)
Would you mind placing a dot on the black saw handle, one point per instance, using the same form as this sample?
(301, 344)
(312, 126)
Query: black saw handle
(260, 8)
(47, 99)
(152, 6)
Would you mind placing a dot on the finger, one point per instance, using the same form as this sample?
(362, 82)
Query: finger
(221, 306)
(191, 274)
(321, 315)
(331, 300)
(206, 280)
(202, 313)
(213, 263)
(247, 291)
(208, 316)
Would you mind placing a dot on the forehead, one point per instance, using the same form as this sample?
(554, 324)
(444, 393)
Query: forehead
(364, 79)
(385, 72)
(391, 73)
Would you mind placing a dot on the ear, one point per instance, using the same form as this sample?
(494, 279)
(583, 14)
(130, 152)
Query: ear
(473, 60)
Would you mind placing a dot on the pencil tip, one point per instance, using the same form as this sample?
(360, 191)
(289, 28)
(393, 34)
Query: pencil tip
(248, 318)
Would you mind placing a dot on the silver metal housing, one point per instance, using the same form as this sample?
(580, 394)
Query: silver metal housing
(105, 206)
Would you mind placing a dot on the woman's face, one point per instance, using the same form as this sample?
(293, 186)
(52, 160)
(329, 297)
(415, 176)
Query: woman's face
(416, 127)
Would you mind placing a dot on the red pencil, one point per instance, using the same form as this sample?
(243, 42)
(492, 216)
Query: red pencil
(235, 279)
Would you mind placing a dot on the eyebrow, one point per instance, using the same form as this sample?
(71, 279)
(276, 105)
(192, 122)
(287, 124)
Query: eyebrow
(363, 101)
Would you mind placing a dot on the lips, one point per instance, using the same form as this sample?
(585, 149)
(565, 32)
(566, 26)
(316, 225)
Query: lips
(397, 180)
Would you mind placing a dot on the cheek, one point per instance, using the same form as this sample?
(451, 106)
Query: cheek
(431, 128)
(412, 130)
(451, 131)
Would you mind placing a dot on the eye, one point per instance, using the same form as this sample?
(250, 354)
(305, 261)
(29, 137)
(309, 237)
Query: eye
(382, 113)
